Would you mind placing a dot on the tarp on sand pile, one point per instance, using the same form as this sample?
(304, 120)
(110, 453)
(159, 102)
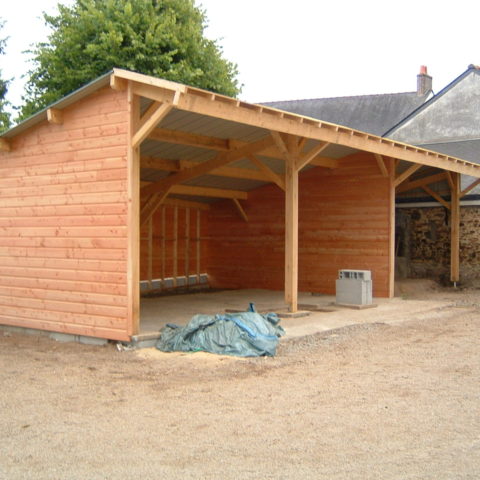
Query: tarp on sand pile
(244, 334)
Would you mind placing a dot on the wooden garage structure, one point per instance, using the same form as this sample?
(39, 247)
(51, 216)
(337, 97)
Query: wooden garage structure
(133, 178)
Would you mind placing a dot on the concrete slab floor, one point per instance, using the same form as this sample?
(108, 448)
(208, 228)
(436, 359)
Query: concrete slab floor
(157, 312)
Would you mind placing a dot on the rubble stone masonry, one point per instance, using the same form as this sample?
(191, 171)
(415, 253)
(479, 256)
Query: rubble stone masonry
(423, 243)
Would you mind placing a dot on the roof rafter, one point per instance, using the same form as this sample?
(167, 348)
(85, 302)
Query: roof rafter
(381, 164)
(469, 188)
(421, 182)
(176, 165)
(407, 173)
(149, 120)
(205, 167)
(308, 157)
(436, 196)
(240, 209)
(268, 172)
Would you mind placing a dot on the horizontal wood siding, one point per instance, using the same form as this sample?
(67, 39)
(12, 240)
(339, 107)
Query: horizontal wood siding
(343, 224)
(63, 222)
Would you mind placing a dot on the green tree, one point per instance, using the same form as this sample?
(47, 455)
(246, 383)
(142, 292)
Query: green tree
(4, 115)
(164, 38)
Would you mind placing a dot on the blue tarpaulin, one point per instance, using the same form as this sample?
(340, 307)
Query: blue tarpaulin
(244, 334)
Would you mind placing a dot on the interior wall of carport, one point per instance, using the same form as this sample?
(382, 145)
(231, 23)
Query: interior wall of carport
(173, 243)
(345, 222)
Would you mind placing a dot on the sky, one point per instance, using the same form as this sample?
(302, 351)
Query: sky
(293, 49)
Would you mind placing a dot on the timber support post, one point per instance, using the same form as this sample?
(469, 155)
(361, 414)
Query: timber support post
(291, 236)
(455, 229)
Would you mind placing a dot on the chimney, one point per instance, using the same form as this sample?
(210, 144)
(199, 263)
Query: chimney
(424, 82)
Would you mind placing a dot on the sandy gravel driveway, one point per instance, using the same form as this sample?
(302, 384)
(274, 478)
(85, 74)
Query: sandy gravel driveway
(371, 401)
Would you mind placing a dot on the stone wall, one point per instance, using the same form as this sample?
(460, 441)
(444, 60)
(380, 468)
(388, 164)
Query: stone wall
(423, 243)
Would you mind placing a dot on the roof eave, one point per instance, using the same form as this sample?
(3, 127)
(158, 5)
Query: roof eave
(64, 102)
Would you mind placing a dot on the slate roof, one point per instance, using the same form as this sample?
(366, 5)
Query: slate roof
(369, 113)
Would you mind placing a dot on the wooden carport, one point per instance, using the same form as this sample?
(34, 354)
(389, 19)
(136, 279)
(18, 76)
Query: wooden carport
(186, 134)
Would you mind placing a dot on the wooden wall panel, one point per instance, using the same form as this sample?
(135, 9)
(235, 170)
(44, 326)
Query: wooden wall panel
(63, 217)
(174, 253)
(343, 223)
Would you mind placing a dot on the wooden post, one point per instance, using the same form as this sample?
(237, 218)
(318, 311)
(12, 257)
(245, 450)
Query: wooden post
(133, 196)
(455, 229)
(391, 221)
(175, 246)
(291, 236)
(164, 246)
(150, 252)
(187, 246)
(198, 247)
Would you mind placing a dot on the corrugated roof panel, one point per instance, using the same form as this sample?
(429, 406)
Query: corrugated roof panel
(210, 126)
(175, 152)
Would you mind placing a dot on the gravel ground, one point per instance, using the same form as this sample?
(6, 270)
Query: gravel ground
(372, 401)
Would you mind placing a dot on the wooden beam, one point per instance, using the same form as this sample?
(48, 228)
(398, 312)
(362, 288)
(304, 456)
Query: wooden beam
(455, 229)
(325, 162)
(404, 175)
(301, 144)
(55, 116)
(154, 163)
(298, 125)
(240, 209)
(208, 192)
(245, 173)
(281, 143)
(436, 196)
(291, 236)
(118, 84)
(381, 164)
(450, 180)
(147, 114)
(404, 187)
(469, 188)
(154, 202)
(306, 158)
(223, 145)
(186, 203)
(202, 191)
(176, 165)
(5, 145)
(160, 112)
(185, 138)
(205, 167)
(269, 173)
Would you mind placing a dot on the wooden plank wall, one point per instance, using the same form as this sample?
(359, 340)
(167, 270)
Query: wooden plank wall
(63, 234)
(172, 244)
(343, 223)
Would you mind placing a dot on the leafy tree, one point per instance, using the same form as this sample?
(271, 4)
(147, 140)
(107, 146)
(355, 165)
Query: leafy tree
(164, 38)
(4, 115)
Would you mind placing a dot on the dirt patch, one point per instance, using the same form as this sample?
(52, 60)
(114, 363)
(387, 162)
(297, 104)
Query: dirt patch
(362, 402)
